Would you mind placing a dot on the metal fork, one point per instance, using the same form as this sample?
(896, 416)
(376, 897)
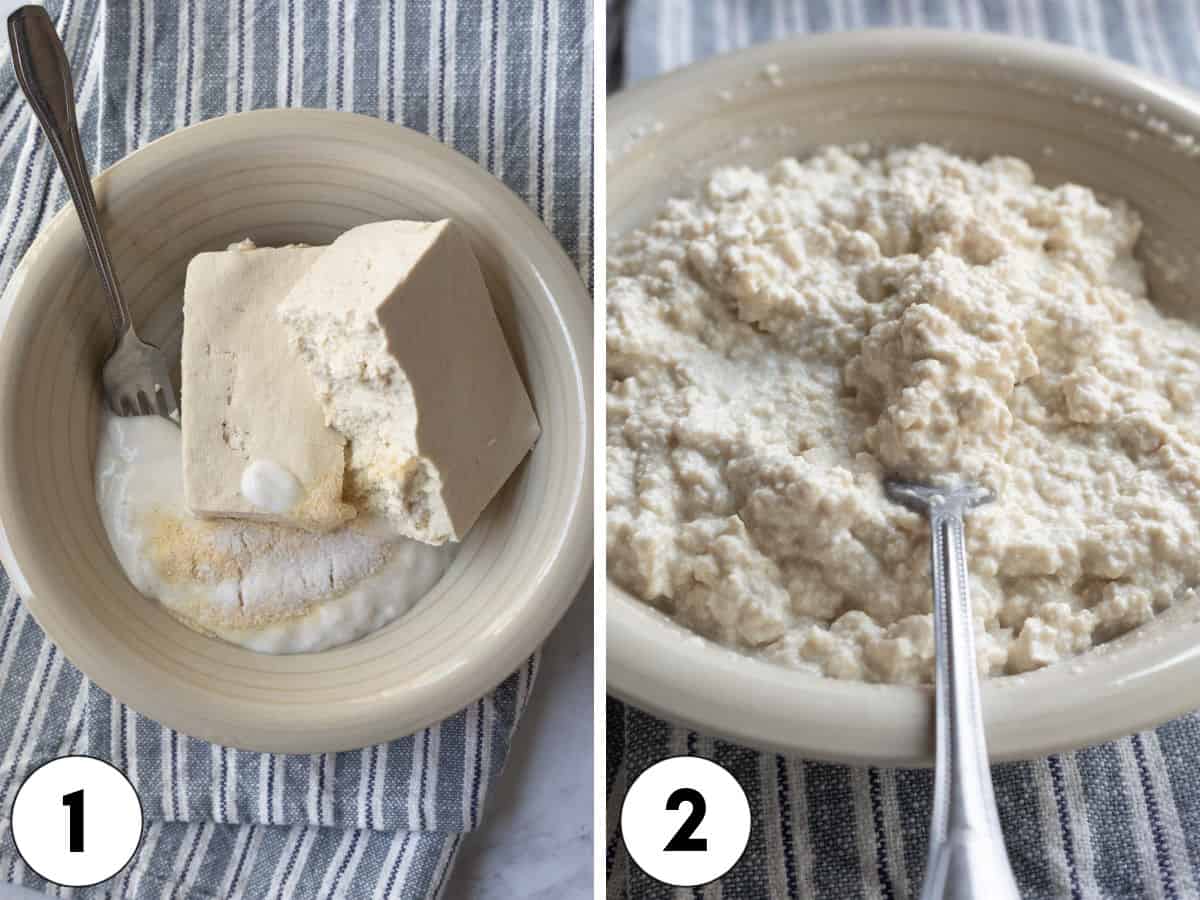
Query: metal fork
(135, 376)
(967, 860)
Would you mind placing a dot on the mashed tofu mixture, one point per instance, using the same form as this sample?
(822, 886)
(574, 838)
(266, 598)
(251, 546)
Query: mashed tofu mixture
(783, 339)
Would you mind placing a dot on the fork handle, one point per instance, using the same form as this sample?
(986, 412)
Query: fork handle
(967, 860)
(45, 78)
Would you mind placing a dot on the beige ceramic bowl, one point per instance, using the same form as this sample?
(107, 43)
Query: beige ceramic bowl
(281, 176)
(1073, 117)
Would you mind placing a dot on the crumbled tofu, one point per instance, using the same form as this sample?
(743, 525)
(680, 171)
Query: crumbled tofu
(782, 339)
(249, 403)
(397, 329)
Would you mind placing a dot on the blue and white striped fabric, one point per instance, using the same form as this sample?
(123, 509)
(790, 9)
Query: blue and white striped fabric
(1120, 820)
(508, 83)
(1158, 35)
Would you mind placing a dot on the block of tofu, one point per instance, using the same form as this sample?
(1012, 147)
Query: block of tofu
(255, 442)
(398, 331)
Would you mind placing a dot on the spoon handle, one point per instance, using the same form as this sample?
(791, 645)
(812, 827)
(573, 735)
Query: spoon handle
(45, 78)
(967, 860)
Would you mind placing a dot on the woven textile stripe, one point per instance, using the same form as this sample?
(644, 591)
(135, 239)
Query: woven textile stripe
(1120, 820)
(1154, 34)
(506, 82)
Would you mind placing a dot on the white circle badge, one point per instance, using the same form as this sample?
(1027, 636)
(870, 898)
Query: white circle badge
(77, 821)
(685, 821)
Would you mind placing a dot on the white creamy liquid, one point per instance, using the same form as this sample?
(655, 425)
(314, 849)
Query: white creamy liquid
(270, 486)
(266, 587)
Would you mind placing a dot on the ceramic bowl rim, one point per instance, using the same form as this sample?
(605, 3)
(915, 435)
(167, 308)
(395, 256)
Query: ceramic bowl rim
(659, 667)
(550, 589)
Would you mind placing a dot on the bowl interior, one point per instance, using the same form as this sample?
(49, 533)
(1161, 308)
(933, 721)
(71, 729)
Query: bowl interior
(1072, 117)
(281, 177)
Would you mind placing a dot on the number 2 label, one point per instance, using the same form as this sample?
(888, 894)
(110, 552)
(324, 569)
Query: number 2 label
(714, 830)
(683, 839)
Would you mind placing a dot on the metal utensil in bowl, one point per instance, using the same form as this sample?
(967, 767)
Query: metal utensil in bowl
(967, 860)
(135, 375)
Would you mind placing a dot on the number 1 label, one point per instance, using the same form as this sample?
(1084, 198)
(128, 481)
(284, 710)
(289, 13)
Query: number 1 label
(74, 804)
(102, 832)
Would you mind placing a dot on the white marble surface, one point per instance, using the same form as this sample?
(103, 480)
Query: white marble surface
(535, 842)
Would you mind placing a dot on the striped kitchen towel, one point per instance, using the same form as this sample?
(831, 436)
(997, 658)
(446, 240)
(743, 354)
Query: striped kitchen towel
(1120, 820)
(506, 82)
